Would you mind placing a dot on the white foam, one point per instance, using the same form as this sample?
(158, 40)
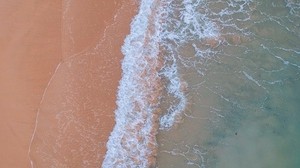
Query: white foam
(154, 30)
(187, 23)
(294, 7)
(176, 88)
(133, 138)
(199, 24)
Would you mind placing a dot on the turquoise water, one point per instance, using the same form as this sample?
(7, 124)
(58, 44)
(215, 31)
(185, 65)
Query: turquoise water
(243, 92)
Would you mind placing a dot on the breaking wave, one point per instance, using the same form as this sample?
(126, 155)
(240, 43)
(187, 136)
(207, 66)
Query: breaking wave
(152, 94)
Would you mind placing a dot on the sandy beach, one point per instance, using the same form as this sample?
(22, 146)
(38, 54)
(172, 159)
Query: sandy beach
(59, 72)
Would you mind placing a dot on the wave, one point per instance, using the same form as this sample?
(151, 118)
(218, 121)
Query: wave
(132, 142)
(151, 93)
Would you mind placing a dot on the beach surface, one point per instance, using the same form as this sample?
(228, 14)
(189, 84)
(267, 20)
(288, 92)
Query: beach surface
(59, 72)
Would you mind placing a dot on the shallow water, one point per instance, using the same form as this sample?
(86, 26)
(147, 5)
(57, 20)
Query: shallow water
(244, 109)
(216, 82)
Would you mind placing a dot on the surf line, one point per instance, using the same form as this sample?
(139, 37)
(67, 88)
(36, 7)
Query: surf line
(132, 142)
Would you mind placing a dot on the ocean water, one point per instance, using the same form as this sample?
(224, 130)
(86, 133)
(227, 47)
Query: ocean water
(209, 84)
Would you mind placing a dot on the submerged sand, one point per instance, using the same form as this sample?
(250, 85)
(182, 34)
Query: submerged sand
(59, 72)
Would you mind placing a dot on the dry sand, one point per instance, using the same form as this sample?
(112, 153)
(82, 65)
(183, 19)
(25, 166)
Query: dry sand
(60, 60)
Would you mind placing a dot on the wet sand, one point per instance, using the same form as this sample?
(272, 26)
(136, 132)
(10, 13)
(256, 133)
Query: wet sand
(60, 66)
(30, 50)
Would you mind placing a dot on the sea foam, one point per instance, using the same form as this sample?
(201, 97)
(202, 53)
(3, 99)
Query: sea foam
(132, 142)
(151, 78)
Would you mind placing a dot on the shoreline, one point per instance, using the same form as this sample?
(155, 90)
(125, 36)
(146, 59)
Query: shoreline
(80, 102)
(75, 115)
